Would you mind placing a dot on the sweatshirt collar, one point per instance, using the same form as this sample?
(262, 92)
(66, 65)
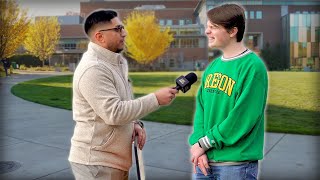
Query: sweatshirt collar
(247, 51)
(105, 54)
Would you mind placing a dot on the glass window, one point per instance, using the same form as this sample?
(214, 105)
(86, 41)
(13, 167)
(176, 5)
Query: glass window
(315, 49)
(251, 14)
(187, 43)
(169, 22)
(246, 14)
(171, 63)
(317, 33)
(259, 15)
(308, 34)
(294, 34)
(175, 43)
(181, 22)
(296, 20)
(188, 21)
(308, 20)
(189, 31)
(304, 20)
(302, 49)
(161, 22)
(284, 10)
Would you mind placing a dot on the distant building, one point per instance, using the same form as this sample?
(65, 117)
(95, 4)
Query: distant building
(187, 50)
(302, 35)
(293, 25)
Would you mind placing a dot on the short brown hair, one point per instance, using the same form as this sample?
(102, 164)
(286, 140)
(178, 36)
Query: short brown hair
(229, 16)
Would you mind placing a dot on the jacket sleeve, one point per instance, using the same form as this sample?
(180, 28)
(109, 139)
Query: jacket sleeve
(97, 87)
(247, 112)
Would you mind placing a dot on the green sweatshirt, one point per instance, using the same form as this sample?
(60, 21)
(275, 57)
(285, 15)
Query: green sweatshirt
(230, 106)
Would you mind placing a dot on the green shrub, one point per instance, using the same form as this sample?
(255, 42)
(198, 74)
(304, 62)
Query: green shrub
(27, 60)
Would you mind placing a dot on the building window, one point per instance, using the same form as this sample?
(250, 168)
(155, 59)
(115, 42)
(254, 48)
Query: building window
(284, 10)
(252, 42)
(308, 31)
(189, 32)
(246, 14)
(169, 22)
(188, 21)
(161, 22)
(259, 15)
(294, 34)
(315, 49)
(175, 43)
(296, 20)
(302, 50)
(181, 22)
(251, 14)
(189, 43)
(317, 34)
(308, 20)
(171, 63)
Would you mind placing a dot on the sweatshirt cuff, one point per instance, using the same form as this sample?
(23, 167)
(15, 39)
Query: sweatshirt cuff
(205, 143)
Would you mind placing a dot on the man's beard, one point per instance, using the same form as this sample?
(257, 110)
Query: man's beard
(119, 50)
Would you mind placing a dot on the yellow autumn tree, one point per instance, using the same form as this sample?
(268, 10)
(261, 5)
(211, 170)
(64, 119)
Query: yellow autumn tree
(146, 39)
(13, 27)
(43, 37)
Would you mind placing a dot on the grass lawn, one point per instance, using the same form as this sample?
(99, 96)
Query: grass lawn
(293, 102)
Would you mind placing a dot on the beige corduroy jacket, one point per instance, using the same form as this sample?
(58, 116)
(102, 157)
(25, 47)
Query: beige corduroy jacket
(103, 109)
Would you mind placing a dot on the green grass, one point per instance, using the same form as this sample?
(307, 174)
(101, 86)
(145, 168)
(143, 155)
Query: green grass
(293, 103)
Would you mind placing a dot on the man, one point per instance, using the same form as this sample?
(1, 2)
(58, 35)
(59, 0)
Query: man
(228, 135)
(6, 65)
(103, 106)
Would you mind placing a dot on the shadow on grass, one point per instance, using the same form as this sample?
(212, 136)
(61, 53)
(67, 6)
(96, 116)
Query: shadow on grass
(59, 97)
(54, 79)
(279, 119)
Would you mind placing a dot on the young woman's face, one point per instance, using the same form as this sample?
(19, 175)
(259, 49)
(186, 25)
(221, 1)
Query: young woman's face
(218, 37)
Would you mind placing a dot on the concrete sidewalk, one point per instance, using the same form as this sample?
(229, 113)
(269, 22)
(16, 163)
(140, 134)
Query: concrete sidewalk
(36, 140)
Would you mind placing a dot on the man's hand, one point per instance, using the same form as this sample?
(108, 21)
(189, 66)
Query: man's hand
(203, 164)
(196, 151)
(166, 95)
(141, 133)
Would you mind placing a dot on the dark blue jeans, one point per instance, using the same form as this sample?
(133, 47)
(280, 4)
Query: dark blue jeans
(247, 171)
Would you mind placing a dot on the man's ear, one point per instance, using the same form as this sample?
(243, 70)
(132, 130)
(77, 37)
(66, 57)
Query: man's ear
(233, 32)
(98, 36)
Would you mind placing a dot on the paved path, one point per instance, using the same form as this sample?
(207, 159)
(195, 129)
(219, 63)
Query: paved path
(37, 138)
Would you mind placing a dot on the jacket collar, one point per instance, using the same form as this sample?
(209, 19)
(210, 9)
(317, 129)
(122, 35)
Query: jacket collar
(105, 54)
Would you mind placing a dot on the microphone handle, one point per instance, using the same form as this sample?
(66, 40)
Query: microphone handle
(177, 88)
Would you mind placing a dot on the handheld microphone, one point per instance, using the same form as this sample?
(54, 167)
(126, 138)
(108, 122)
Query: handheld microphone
(184, 82)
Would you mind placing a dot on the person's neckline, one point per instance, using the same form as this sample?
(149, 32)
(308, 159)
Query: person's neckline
(243, 53)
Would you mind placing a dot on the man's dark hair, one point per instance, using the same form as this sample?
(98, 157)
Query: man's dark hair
(229, 16)
(97, 17)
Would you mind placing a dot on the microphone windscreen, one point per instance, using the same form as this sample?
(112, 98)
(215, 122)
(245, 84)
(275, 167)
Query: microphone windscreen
(191, 77)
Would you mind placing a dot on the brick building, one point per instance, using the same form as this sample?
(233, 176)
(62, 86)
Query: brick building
(291, 25)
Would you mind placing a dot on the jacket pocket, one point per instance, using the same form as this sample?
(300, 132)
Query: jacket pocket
(106, 141)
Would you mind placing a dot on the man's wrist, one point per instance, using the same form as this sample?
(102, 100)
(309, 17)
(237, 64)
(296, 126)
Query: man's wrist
(199, 144)
(140, 123)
